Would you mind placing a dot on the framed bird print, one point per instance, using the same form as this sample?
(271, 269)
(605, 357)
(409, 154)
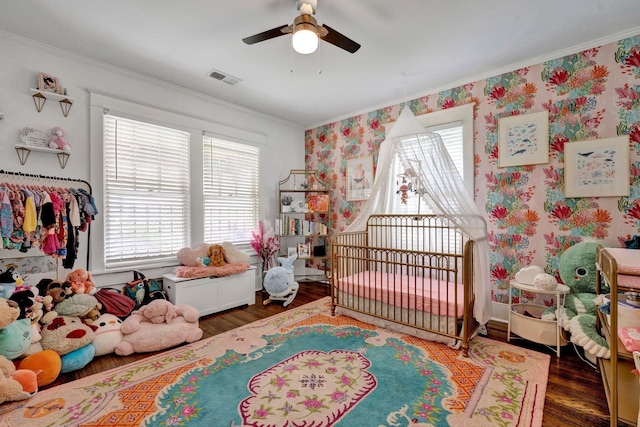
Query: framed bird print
(523, 139)
(597, 168)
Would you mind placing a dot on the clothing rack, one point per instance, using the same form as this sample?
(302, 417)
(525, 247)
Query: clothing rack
(4, 174)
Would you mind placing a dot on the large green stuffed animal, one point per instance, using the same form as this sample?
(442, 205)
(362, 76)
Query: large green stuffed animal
(577, 268)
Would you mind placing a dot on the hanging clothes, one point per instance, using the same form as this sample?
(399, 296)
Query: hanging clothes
(44, 216)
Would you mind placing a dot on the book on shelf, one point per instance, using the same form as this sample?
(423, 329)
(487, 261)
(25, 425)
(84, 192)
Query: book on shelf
(292, 226)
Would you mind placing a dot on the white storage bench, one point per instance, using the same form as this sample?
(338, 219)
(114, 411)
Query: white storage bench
(212, 294)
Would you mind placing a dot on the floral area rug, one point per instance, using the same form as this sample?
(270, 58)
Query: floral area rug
(304, 368)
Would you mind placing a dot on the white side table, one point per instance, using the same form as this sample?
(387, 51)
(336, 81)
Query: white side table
(546, 332)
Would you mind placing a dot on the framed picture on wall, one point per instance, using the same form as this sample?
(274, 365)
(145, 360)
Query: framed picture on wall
(49, 83)
(304, 250)
(359, 178)
(523, 140)
(597, 168)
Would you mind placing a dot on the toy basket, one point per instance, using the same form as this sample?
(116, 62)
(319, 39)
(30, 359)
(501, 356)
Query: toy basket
(526, 323)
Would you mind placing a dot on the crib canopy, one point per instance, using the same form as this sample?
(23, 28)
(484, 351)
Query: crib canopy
(439, 184)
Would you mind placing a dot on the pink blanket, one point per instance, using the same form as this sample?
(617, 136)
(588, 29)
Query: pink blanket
(411, 292)
(202, 271)
(628, 261)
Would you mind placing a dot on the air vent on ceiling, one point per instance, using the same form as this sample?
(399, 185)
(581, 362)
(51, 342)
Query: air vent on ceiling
(224, 77)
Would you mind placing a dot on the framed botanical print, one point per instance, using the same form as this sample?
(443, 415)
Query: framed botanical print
(597, 168)
(359, 178)
(523, 139)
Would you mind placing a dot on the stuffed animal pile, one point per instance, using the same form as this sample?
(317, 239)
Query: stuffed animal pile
(57, 327)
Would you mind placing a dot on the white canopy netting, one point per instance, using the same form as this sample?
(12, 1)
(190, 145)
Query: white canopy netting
(439, 185)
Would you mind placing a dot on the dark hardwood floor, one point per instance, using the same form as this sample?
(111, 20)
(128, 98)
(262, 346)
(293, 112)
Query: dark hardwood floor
(575, 394)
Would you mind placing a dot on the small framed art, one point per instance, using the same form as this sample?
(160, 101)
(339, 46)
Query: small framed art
(292, 251)
(304, 250)
(523, 140)
(359, 178)
(597, 167)
(49, 83)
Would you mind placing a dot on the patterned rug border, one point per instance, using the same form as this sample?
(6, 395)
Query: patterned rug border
(180, 361)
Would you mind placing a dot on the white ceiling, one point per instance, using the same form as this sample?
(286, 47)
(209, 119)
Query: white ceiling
(409, 47)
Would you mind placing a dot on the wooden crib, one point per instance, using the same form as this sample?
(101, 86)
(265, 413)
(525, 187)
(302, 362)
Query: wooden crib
(412, 273)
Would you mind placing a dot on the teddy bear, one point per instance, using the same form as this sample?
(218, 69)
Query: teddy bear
(9, 311)
(157, 326)
(12, 380)
(216, 255)
(93, 314)
(58, 140)
(56, 289)
(81, 281)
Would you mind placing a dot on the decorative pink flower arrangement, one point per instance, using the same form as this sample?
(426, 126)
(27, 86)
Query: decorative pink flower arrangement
(266, 244)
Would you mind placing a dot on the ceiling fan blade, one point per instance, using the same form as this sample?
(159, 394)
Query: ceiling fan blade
(269, 34)
(340, 40)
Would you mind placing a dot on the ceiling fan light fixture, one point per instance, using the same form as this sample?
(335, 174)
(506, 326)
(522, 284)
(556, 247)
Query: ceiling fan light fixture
(305, 35)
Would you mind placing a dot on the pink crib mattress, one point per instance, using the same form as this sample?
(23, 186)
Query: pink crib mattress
(628, 261)
(411, 292)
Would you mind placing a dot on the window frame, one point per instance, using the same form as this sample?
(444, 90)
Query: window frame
(185, 224)
(464, 114)
(254, 175)
(100, 104)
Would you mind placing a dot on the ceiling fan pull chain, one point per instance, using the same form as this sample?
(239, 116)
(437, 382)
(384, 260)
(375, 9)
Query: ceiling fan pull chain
(290, 59)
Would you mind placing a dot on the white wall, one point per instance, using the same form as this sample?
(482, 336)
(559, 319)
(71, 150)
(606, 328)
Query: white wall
(20, 62)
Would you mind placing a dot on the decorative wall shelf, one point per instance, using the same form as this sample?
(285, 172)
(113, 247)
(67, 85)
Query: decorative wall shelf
(41, 96)
(24, 151)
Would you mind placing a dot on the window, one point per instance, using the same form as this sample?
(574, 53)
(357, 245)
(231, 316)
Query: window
(146, 192)
(455, 127)
(230, 190)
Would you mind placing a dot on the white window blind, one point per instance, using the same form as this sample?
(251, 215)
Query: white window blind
(146, 185)
(451, 134)
(230, 190)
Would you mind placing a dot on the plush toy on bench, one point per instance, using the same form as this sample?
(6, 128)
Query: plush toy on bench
(279, 282)
(157, 326)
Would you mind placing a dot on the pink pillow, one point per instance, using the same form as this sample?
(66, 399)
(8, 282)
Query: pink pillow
(630, 337)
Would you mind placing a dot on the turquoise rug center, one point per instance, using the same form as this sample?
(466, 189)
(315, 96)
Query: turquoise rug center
(313, 376)
(313, 386)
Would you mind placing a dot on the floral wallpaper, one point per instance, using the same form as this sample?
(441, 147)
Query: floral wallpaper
(591, 94)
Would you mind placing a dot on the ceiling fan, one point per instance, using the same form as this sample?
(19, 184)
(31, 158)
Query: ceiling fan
(306, 32)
